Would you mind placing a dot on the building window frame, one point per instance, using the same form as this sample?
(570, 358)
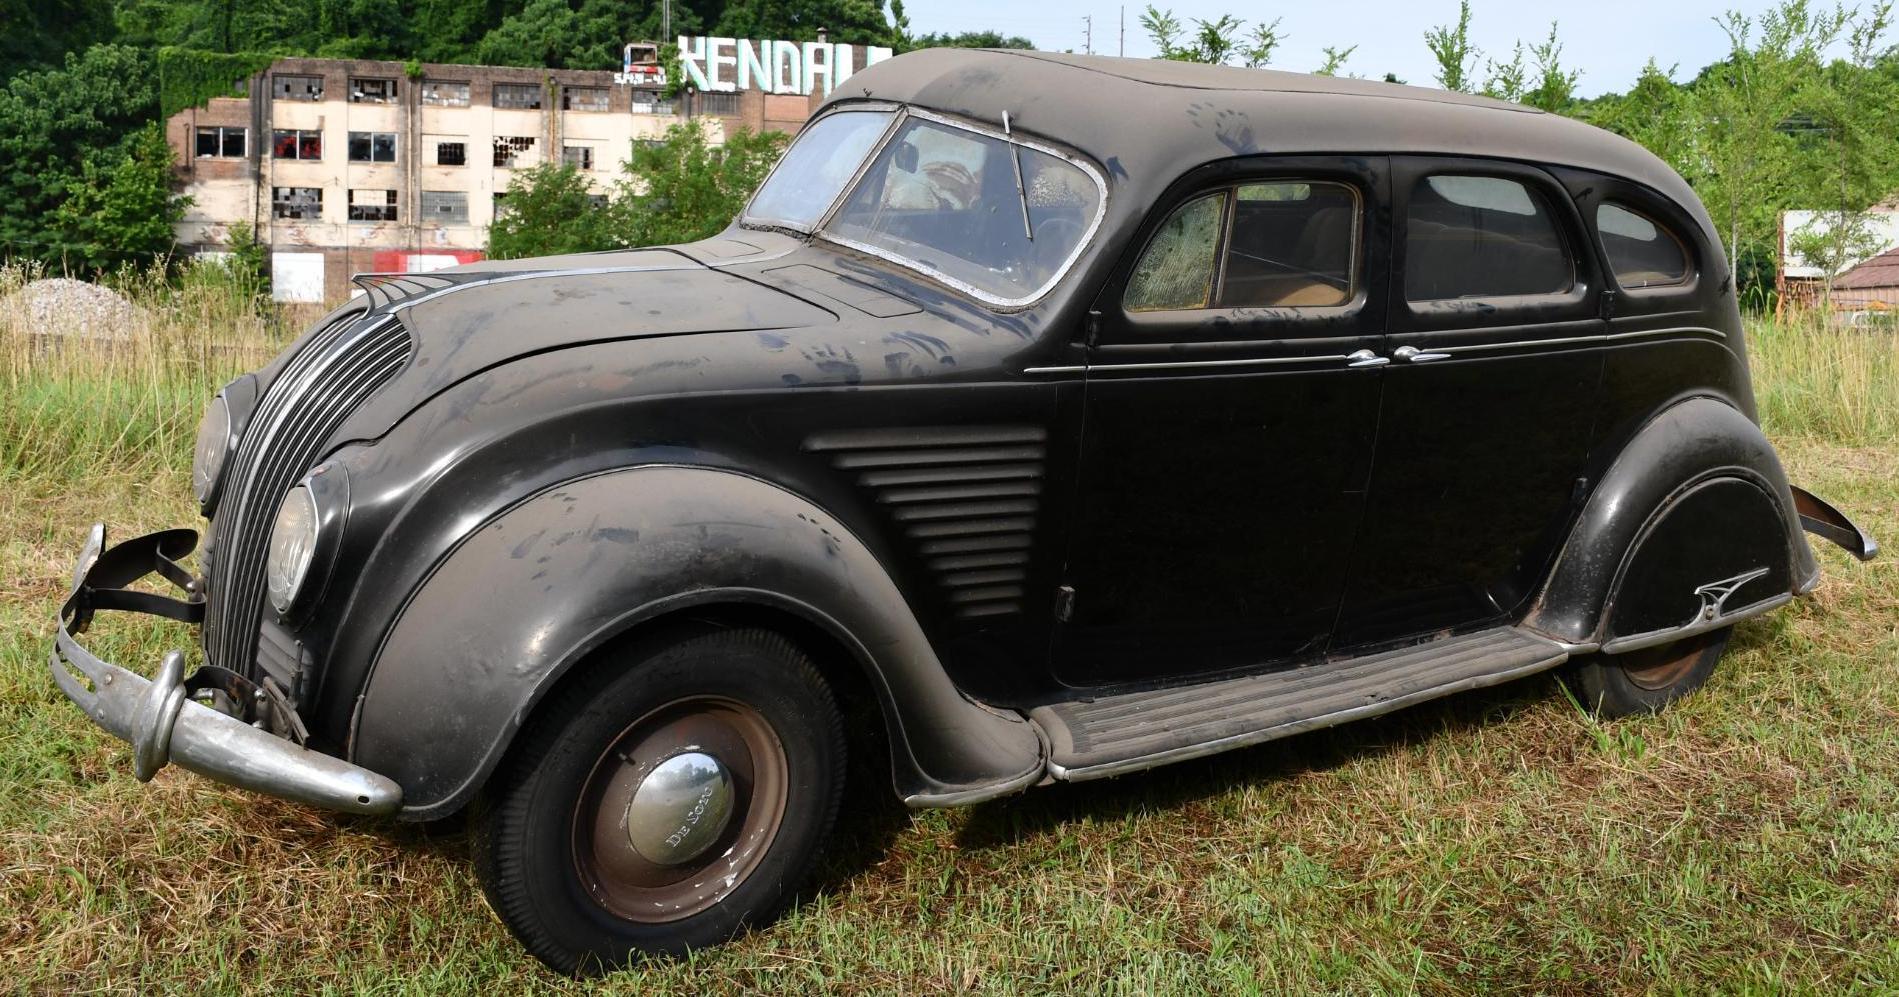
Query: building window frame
(596, 99)
(368, 209)
(222, 137)
(579, 157)
(445, 93)
(441, 207)
(296, 204)
(306, 144)
(297, 87)
(376, 147)
(519, 96)
(509, 149)
(372, 90)
(459, 157)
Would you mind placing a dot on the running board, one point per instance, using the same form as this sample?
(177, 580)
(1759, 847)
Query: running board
(1111, 735)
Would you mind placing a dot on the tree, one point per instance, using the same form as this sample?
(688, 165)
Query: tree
(1555, 87)
(1213, 42)
(859, 22)
(684, 188)
(1334, 60)
(968, 39)
(39, 33)
(55, 124)
(125, 213)
(679, 189)
(550, 209)
(1456, 56)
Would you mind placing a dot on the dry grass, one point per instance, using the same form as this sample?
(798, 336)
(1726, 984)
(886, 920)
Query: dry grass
(1746, 841)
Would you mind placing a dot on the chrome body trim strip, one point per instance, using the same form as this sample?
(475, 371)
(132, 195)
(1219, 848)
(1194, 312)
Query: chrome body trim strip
(1612, 337)
(1700, 625)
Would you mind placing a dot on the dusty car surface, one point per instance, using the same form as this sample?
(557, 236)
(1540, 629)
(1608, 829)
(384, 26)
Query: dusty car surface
(1069, 415)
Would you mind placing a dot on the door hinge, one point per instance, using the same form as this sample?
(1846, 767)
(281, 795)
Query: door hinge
(1091, 332)
(1064, 603)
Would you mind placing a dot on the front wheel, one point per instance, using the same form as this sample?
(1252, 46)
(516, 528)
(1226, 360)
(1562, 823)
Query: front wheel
(665, 801)
(1618, 685)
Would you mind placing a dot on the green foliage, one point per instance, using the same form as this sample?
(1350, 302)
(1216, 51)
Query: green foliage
(190, 78)
(1334, 60)
(677, 189)
(683, 188)
(967, 39)
(38, 33)
(124, 213)
(1215, 42)
(550, 210)
(249, 263)
(55, 126)
(1456, 56)
(859, 22)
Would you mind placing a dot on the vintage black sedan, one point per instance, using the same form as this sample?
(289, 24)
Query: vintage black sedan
(1061, 416)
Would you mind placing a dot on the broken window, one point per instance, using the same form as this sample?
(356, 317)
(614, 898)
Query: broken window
(297, 203)
(445, 207)
(221, 143)
(650, 102)
(583, 99)
(725, 104)
(372, 147)
(597, 202)
(451, 154)
(372, 205)
(288, 143)
(513, 150)
(518, 96)
(579, 157)
(501, 205)
(296, 87)
(371, 91)
(437, 93)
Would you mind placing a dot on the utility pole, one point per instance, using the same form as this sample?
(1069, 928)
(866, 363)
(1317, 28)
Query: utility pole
(666, 22)
(1088, 43)
(1123, 50)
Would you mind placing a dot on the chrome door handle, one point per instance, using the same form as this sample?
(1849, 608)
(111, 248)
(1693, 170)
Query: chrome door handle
(1411, 354)
(1366, 358)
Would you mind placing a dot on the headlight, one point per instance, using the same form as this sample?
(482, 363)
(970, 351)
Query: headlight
(293, 545)
(214, 444)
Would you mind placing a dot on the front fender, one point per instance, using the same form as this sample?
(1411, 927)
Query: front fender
(528, 594)
(1697, 461)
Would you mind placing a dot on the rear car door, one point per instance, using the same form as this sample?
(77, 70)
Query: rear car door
(1231, 405)
(1496, 347)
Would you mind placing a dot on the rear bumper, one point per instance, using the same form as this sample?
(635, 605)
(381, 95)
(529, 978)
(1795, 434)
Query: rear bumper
(1830, 524)
(158, 717)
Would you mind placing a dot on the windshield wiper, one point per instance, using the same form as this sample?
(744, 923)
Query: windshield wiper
(1015, 159)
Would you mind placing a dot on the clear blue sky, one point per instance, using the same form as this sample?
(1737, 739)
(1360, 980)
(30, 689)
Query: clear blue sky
(1609, 40)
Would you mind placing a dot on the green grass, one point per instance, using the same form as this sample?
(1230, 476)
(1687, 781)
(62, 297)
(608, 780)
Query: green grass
(1747, 841)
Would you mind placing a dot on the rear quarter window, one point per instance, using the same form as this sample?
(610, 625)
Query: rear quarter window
(1642, 251)
(1482, 237)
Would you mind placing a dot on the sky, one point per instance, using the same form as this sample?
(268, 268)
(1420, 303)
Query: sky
(1609, 40)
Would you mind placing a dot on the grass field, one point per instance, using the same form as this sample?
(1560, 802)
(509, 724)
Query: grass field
(1747, 841)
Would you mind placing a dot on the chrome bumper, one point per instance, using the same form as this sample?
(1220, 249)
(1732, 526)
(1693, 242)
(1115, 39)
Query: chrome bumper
(155, 715)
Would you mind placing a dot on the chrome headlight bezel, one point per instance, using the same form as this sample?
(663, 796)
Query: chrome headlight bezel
(208, 470)
(210, 449)
(297, 564)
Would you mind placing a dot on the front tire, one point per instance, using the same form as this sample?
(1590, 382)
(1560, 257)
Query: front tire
(665, 801)
(1645, 681)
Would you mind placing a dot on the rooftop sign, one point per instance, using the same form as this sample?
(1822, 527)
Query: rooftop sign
(724, 65)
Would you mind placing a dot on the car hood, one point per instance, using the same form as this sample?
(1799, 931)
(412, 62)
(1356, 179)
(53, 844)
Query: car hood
(470, 319)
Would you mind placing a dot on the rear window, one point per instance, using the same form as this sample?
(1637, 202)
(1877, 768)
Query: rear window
(1641, 251)
(1482, 237)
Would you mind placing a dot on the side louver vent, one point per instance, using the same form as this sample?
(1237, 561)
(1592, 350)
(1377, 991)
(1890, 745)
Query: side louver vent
(966, 497)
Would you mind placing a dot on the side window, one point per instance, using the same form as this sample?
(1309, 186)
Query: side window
(1292, 245)
(1482, 237)
(1177, 269)
(1641, 252)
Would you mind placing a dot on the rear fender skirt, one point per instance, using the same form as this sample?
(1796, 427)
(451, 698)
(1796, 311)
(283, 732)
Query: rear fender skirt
(1696, 498)
(527, 595)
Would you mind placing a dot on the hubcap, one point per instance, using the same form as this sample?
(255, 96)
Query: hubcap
(680, 808)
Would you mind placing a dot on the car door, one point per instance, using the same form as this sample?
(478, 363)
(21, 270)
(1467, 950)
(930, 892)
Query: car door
(1230, 410)
(1496, 346)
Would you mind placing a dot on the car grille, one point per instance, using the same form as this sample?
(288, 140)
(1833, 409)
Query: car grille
(336, 371)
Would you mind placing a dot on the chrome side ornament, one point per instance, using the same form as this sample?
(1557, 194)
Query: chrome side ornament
(1714, 595)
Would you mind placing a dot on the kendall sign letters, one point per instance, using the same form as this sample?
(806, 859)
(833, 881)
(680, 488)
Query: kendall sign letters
(724, 65)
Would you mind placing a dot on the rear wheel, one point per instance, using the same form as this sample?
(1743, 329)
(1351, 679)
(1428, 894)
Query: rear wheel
(666, 801)
(1616, 685)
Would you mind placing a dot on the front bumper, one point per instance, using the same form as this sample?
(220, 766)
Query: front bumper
(157, 717)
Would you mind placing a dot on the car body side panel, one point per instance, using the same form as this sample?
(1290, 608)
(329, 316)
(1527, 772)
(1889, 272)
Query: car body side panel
(1697, 440)
(533, 591)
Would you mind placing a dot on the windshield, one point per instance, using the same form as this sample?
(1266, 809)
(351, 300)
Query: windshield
(945, 199)
(816, 168)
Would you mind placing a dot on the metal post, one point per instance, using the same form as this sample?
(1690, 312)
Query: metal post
(1088, 44)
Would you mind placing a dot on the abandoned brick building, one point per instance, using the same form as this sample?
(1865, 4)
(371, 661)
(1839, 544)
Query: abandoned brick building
(345, 166)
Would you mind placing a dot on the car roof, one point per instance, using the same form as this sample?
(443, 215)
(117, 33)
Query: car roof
(1150, 120)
